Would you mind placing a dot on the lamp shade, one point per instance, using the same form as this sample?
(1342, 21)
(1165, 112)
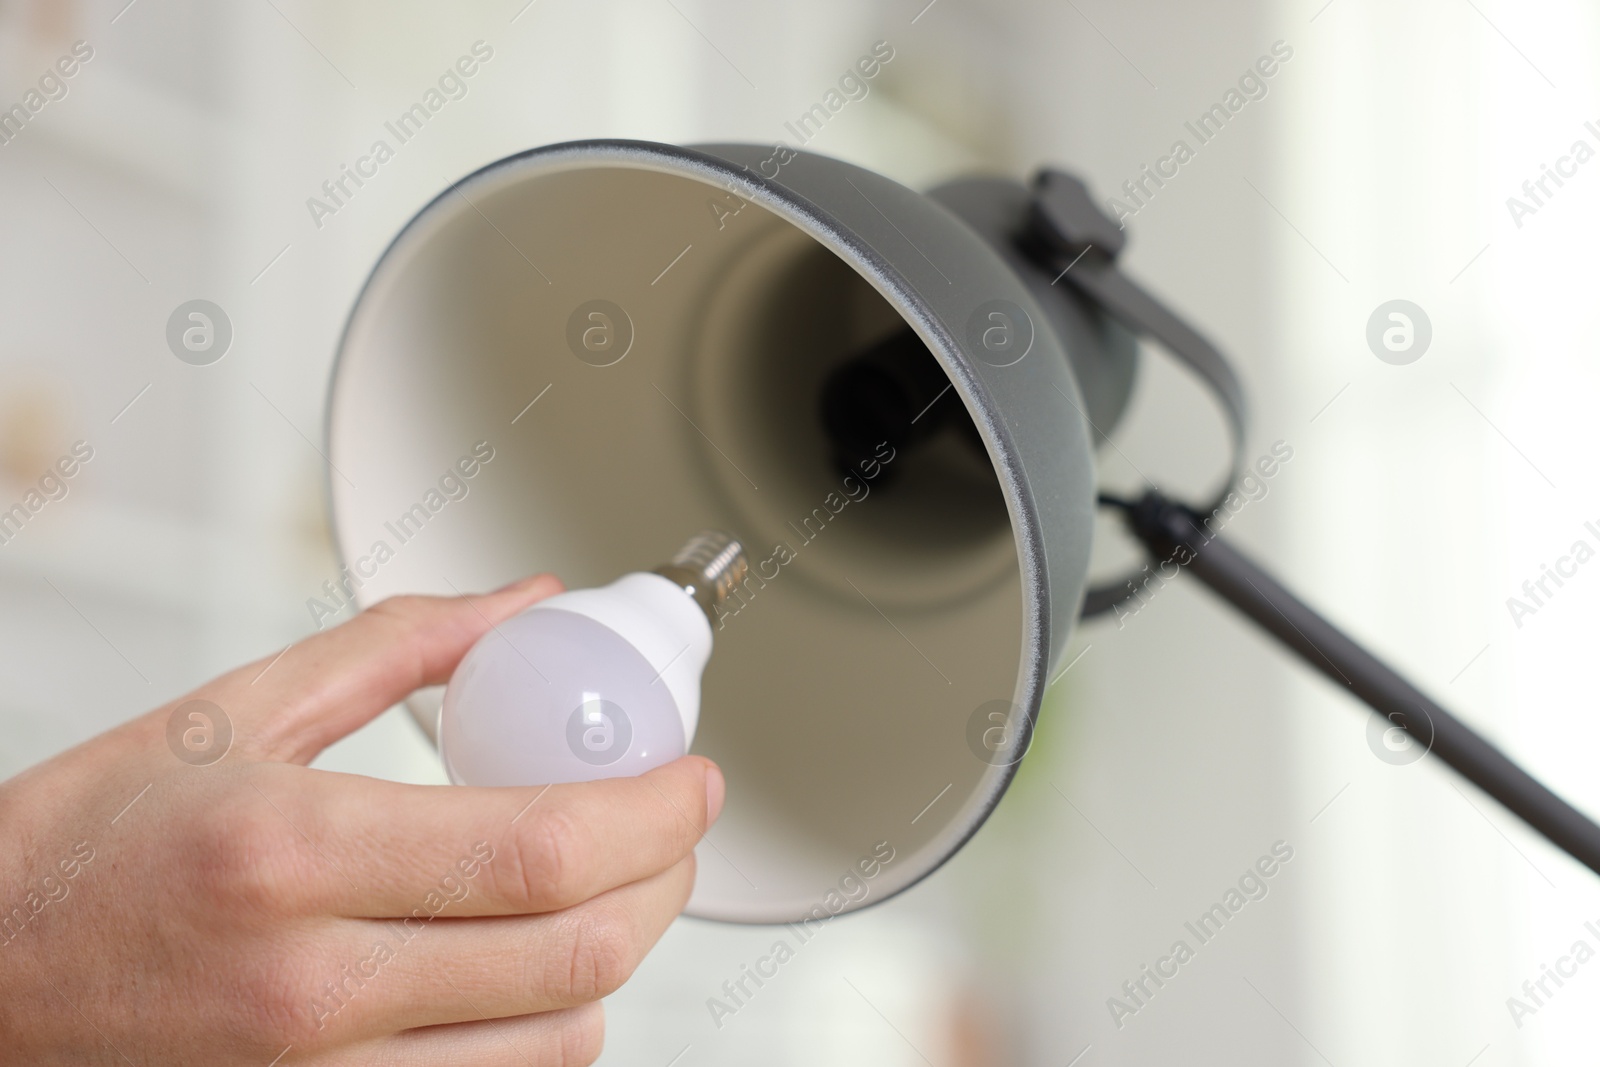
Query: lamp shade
(579, 355)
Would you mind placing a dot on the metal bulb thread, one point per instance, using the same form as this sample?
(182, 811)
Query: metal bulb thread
(709, 566)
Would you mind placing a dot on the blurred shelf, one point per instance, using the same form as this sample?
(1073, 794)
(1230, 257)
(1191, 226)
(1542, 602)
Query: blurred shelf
(161, 560)
(172, 141)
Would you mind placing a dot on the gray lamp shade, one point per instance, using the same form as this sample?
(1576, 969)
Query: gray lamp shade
(628, 341)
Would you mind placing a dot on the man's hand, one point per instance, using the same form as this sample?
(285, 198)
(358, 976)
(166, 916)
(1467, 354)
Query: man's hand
(254, 911)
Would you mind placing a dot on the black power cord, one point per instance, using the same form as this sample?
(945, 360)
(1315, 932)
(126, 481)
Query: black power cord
(1068, 231)
(1171, 531)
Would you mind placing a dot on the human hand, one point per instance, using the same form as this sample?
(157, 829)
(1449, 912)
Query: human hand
(255, 911)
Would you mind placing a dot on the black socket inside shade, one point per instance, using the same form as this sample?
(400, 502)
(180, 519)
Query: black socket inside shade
(892, 393)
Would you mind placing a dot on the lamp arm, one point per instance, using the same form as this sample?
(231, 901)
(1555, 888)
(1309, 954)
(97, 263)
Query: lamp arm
(1172, 532)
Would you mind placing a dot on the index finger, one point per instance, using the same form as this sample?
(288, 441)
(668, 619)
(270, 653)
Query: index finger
(332, 682)
(366, 848)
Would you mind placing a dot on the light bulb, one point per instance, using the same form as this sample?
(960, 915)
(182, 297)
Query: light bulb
(592, 683)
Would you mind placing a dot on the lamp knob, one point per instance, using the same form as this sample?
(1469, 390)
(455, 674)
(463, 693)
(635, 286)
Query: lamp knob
(1065, 218)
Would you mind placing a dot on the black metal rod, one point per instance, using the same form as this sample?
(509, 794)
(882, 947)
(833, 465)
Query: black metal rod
(1173, 532)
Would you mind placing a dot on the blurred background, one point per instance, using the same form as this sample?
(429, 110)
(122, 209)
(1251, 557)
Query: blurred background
(176, 163)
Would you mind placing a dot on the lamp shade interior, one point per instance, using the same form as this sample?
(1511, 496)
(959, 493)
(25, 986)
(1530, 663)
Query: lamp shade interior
(636, 353)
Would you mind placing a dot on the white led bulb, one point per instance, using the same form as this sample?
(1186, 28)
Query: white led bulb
(592, 683)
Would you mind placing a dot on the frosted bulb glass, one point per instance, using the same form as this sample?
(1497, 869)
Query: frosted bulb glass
(593, 683)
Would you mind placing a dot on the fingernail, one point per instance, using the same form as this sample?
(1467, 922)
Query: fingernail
(716, 792)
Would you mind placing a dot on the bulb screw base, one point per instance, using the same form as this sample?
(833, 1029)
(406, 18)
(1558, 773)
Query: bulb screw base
(708, 568)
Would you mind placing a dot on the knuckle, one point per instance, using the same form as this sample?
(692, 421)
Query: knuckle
(240, 857)
(582, 1037)
(550, 861)
(601, 954)
(403, 606)
(400, 612)
(284, 1007)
